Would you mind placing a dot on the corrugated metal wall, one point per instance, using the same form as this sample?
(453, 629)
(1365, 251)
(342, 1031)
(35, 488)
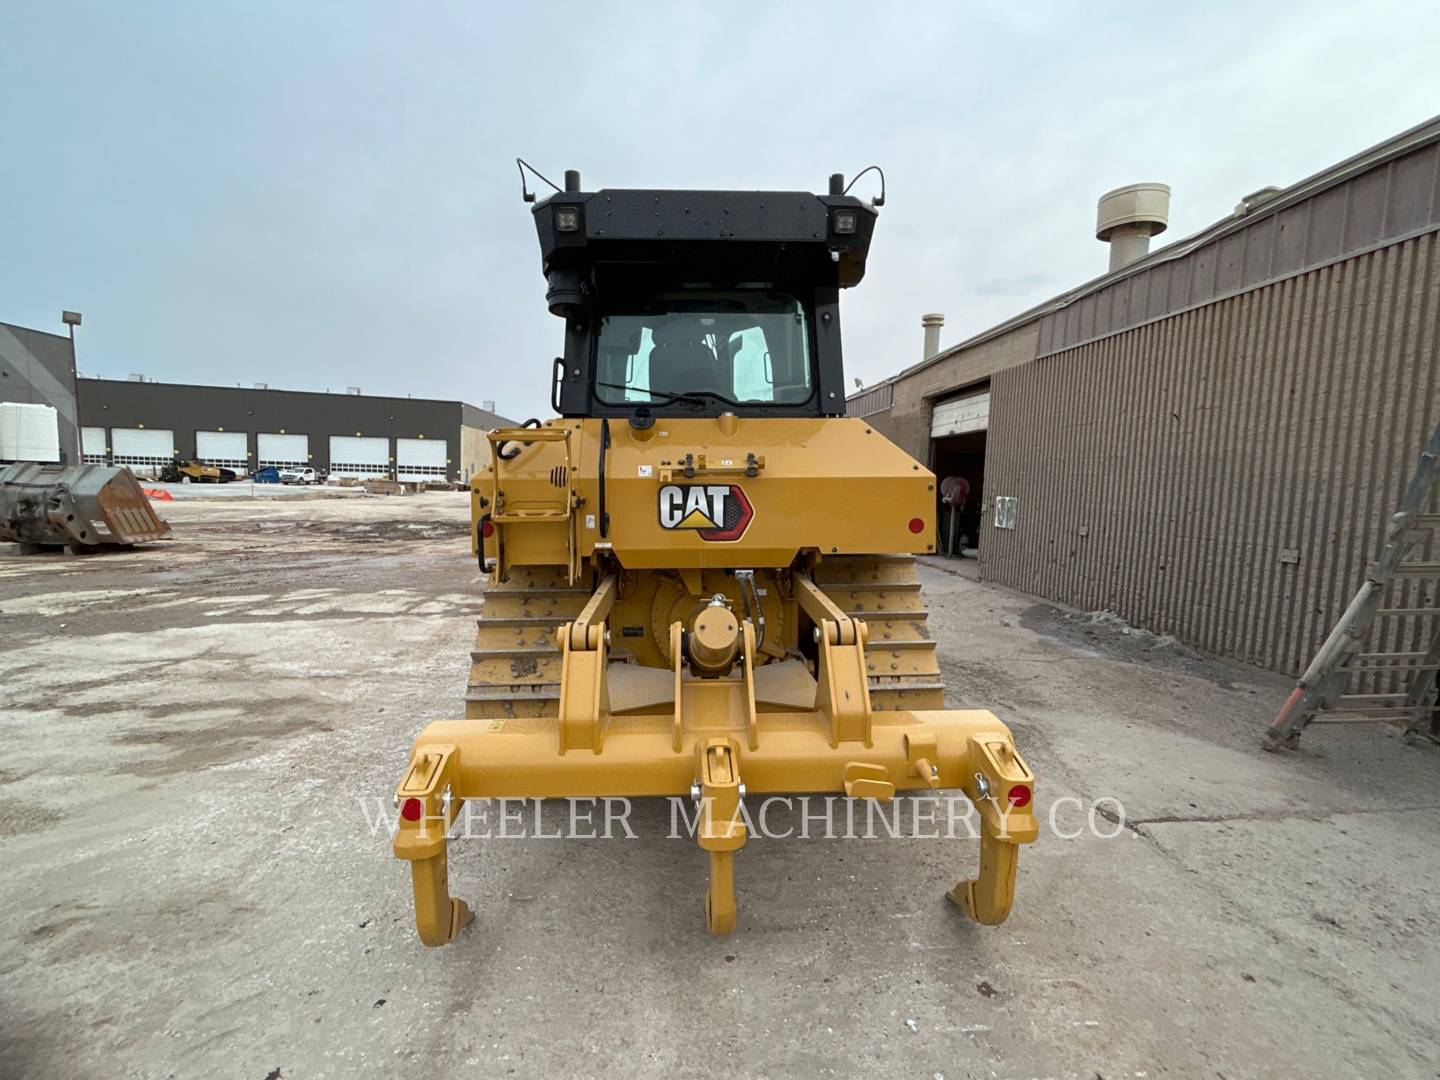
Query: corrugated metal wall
(1222, 474)
(1385, 203)
(870, 402)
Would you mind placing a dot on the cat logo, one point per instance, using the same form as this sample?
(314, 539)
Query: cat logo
(714, 511)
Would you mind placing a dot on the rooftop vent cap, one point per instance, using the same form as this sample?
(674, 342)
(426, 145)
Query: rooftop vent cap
(1128, 217)
(1254, 199)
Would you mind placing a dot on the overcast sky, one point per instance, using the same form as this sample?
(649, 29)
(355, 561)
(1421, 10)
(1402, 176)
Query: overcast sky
(322, 195)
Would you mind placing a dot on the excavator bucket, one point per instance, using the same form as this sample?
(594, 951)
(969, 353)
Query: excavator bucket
(84, 507)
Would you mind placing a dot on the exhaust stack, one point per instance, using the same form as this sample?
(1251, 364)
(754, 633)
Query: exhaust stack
(1128, 217)
(932, 324)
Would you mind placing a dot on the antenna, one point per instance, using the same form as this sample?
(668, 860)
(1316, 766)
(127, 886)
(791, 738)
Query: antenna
(525, 192)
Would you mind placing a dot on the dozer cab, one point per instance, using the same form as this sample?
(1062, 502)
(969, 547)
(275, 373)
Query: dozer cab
(702, 579)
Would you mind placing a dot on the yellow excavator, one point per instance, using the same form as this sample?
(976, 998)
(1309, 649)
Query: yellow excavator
(702, 577)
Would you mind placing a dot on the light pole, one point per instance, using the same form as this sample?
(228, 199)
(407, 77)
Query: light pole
(72, 320)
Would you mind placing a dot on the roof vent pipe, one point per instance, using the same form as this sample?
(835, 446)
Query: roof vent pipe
(1128, 217)
(932, 324)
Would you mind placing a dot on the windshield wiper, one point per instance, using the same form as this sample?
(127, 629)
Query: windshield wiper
(694, 398)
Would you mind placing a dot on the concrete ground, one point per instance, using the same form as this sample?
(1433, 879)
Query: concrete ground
(191, 888)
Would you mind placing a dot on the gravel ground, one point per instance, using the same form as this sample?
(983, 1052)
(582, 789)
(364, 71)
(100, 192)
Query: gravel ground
(192, 889)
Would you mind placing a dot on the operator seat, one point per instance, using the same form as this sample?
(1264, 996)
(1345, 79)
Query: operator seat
(680, 361)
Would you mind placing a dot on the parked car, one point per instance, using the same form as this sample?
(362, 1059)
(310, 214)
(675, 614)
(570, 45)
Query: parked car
(300, 475)
(268, 475)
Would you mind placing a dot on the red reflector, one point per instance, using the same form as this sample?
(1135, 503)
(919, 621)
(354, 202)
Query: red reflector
(487, 528)
(1019, 796)
(917, 525)
(411, 809)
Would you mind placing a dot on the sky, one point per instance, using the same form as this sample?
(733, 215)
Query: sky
(323, 195)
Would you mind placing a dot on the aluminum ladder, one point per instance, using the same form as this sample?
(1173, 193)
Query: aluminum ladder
(1345, 684)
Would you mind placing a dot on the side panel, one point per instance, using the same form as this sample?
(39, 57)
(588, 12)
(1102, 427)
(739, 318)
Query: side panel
(29, 433)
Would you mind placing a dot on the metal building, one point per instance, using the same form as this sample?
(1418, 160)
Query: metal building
(1207, 439)
(146, 424)
(37, 368)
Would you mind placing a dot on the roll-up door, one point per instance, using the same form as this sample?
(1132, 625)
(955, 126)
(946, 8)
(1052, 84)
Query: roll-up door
(363, 457)
(281, 451)
(969, 412)
(420, 459)
(145, 450)
(227, 449)
(92, 445)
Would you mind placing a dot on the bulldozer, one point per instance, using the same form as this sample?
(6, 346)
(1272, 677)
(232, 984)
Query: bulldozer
(197, 472)
(701, 572)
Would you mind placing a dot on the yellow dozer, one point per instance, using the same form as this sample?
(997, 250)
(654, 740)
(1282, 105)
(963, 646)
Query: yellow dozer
(702, 579)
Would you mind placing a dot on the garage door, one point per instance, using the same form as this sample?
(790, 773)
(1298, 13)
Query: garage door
(359, 456)
(968, 412)
(420, 459)
(92, 445)
(145, 450)
(226, 449)
(281, 451)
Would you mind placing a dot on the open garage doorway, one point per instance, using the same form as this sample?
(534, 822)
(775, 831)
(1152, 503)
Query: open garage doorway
(959, 424)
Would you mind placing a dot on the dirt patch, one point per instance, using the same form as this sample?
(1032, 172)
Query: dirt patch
(359, 532)
(206, 746)
(19, 816)
(1106, 633)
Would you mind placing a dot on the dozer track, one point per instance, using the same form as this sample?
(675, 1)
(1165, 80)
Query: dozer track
(882, 590)
(515, 665)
